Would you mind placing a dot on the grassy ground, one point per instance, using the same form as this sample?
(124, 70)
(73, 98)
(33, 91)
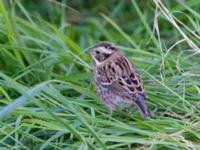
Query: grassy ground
(46, 97)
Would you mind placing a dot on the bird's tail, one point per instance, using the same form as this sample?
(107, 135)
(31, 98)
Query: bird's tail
(145, 112)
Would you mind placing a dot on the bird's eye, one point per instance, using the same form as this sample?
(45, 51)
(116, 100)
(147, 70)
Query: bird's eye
(97, 52)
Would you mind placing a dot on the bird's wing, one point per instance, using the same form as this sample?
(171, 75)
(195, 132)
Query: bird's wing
(126, 87)
(120, 76)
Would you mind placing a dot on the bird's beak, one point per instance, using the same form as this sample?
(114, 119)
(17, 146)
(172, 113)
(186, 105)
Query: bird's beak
(89, 51)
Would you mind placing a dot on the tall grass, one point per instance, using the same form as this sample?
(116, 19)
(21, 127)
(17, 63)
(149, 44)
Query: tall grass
(47, 100)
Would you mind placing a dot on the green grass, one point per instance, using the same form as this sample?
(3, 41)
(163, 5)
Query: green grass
(47, 100)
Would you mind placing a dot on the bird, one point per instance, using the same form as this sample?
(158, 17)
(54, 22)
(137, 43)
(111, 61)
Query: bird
(116, 79)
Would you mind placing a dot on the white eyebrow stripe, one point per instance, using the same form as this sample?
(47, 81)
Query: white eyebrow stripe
(104, 50)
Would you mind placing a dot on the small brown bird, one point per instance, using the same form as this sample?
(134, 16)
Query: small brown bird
(116, 79)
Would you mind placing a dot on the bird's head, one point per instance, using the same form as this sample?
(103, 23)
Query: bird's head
(102, 51)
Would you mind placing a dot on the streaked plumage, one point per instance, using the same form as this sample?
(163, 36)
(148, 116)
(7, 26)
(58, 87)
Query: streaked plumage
(116, 79)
